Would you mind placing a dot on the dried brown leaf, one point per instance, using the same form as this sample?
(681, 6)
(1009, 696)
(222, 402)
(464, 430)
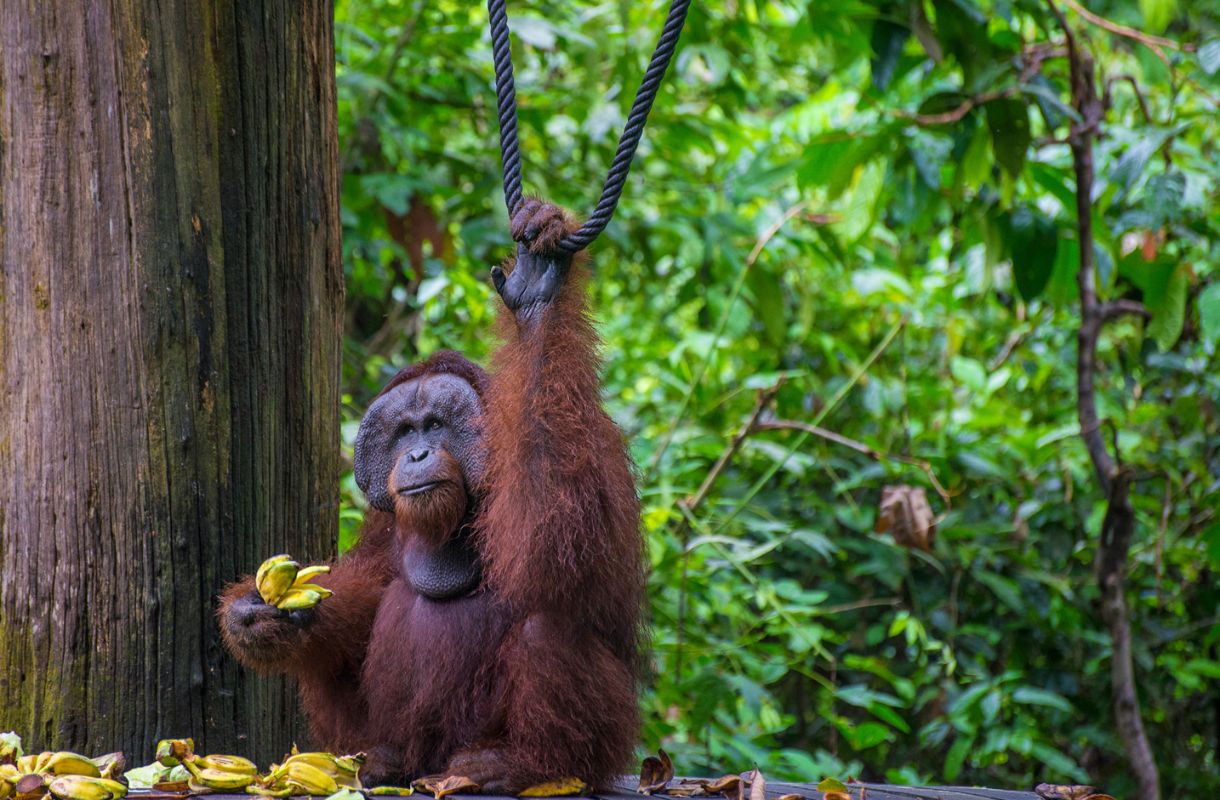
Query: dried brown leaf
(1059, 791)
(655, 773)
(836, 796)
(731, 786)
(171, 787)
(689, 787)
(791, 797)
(758, 785)
(444, 785)
(905, 513)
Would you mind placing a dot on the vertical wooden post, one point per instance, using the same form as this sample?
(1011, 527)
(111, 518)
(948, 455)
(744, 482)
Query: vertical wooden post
(170, 318)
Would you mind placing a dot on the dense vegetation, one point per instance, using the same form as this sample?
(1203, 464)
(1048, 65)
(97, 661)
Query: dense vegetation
(873, 200)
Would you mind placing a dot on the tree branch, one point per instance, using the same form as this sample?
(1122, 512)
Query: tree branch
(1118, 525)
(1157, 44)
(859, 447)
(956, 114)
(763, 399)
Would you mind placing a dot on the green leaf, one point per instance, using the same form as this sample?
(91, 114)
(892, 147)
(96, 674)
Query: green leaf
(1032, 696)
(868, 734)
(1130, 165)
(1063, 288)
(887, 41)
(1008, 121)
(1209, 312)
(768, 296)
(1209, 57)
(1033, 243)
(1058, 765)
(1169, 310)
(1158, 14)
(975, 166)
(969, 373)
(957, 756)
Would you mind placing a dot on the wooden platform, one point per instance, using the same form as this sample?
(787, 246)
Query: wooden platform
(878, 791)
(775, 790)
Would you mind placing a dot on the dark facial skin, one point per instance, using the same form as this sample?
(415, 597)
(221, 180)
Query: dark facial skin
(414, 439)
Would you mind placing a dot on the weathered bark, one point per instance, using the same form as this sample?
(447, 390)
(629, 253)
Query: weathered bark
(170, 312)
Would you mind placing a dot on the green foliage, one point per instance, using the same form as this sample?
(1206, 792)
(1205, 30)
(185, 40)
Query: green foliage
(811, 187)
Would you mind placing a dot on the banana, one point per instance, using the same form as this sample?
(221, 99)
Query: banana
(31, 786)
(296, 599)
(172, 752)
(277, 580)
(344, 770)
(235, 765)
(111, 765)
(268, 564)
(310, 779)
(84, 787)
(309, 572)
(323, 761)
(65, 763)
(220, 780)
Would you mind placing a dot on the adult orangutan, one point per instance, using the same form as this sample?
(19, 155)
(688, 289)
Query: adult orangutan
(487, 624)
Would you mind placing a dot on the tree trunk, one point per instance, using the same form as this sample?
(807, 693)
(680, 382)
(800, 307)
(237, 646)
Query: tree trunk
(170, 322)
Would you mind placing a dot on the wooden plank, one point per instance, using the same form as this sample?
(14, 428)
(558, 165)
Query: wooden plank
(877, 791)
(625, 790)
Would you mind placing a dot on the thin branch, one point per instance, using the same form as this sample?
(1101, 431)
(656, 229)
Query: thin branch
(761, 402)
(1010, 344)
(1135, 88)
(778, 464)
(1157, 44)
(859, 447)
(956, 114)
(1117, 308)
(859, 604)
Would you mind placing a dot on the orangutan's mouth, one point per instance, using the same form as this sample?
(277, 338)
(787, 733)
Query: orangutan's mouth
(408, 491)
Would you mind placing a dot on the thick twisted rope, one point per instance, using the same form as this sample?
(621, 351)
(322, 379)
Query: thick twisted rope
(616, 178)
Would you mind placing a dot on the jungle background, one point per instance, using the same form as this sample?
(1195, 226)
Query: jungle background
(866, 211)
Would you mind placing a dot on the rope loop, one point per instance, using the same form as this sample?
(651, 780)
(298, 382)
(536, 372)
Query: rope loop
(629, 140)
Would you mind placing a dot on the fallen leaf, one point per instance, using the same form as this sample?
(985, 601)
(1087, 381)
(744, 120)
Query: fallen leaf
(689, 787)
(110, 765)
(393, 791)
(758, 785)
(906, 514)
(791, 797)
(171, 787)
(731, 786)
(1059, 791)
(346, 794)
(833, 789)
(564, 787)
(444, 785)
(655, 773)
